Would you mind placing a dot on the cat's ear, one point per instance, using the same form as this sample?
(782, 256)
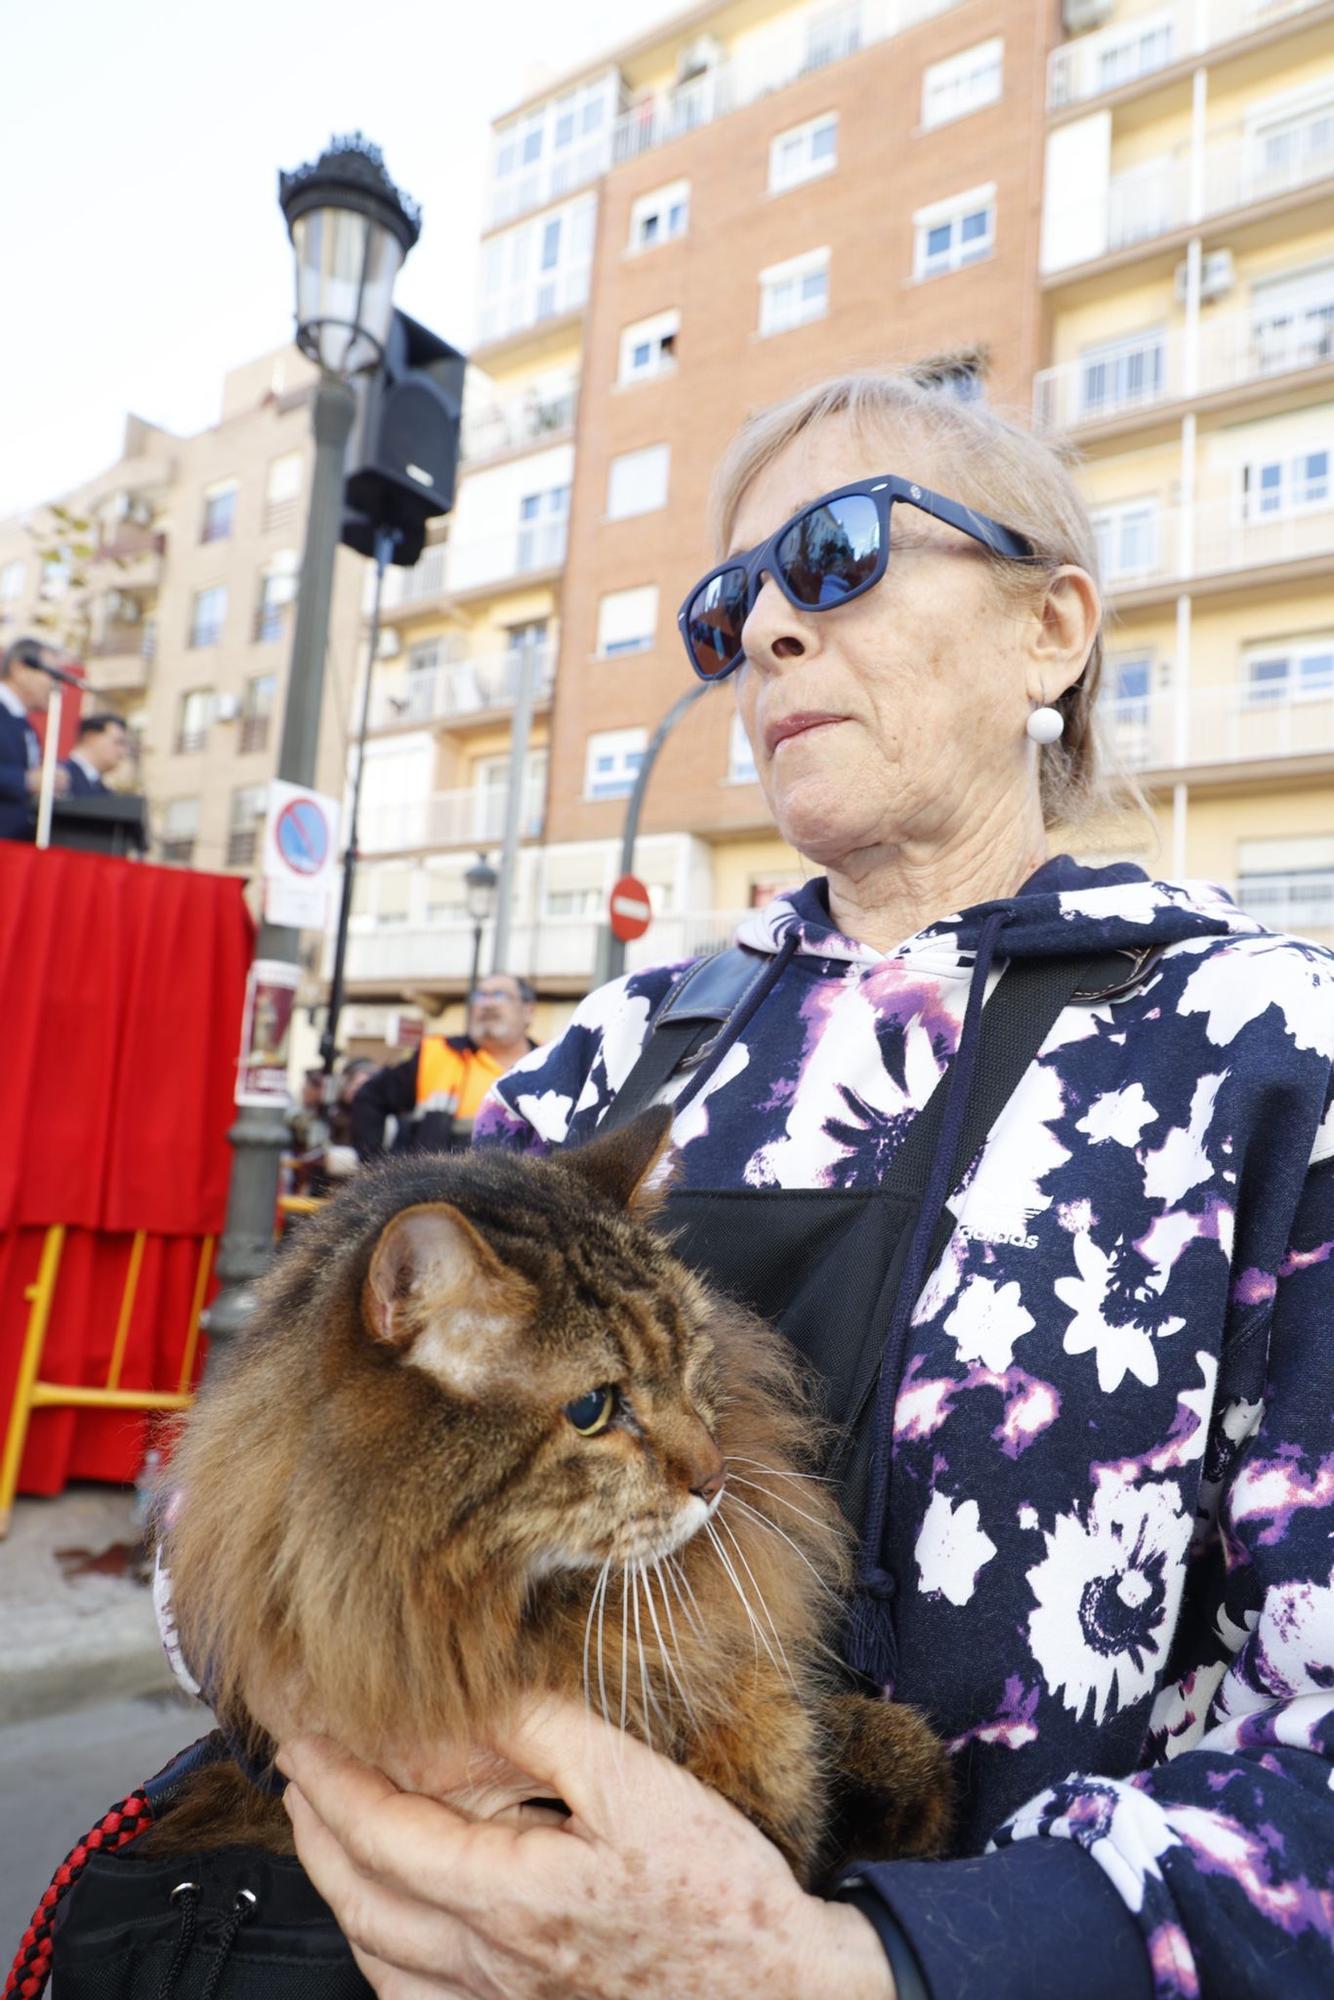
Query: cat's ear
(438, 1292)
(621, 1165)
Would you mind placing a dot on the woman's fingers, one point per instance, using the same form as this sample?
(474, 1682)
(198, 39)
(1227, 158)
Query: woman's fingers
(602, 1775)
(397, 1931)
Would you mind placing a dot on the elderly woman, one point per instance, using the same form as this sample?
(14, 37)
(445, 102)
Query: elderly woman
(1033, 1162)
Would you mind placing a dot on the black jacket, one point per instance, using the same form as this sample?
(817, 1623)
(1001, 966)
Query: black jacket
(81, 786)
(20, 752)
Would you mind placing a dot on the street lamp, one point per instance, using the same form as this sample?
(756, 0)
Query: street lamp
(481, 882)
(350, 229)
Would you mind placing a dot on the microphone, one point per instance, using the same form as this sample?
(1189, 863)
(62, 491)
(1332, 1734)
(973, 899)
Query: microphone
(59, 674)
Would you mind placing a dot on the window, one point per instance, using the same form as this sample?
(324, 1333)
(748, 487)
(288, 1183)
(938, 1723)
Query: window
(192, 724)
(1292, 319)
(953, 233)
(542, 518)
(832, 33)
(393, 895)
(794, 292)
(208, 615)
(531, 146)
(277, 589)
(1293, 146)
(1120, 373)
(627, 620)
(649, 347)
(661, 215)
(1143, 50)
(1300, 670)
(219, 512)
(1131, 683)
(1127, 538)
(564, 134)
(551, 244)
(248, 807)
(613, 761)
(180, 830)
(740, 756)
(1278, 486)
(11, 581)
(803, 153)
(1288, 883)
(962, 83)
(637, 482)
(256, 711)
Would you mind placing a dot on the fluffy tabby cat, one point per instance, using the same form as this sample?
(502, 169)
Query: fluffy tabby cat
(485, 1435)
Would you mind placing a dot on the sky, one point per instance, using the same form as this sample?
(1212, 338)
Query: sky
(142, 250)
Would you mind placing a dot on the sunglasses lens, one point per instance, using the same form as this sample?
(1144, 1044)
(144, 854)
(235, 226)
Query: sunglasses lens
(829, 552)
(714, 621)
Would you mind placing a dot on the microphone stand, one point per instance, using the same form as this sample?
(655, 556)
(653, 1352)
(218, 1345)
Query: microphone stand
(51, 749)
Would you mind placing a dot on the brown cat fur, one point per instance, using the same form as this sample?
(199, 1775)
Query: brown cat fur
(381, 1491)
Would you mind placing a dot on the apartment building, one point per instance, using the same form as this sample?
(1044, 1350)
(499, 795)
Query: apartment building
(1187, 271)
(181, 609)
(745, 200)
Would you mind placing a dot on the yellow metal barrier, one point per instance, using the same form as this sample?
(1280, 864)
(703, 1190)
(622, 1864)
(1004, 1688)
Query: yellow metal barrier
(31, 1393)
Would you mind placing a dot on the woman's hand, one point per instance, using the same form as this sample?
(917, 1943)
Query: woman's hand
(654, 1888)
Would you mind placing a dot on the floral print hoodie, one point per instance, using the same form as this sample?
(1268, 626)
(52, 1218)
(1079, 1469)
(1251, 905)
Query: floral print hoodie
(1113, 1475)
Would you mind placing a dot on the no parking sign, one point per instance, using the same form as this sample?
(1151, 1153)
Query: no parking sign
(300, 856)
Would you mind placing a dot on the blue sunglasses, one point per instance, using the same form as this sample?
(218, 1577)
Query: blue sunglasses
(829, 553)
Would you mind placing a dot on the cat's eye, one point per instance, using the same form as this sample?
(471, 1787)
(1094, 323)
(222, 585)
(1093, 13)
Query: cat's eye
(592, 1413)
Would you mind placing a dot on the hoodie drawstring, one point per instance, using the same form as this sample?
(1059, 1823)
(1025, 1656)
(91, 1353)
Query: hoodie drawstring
(872, 1646)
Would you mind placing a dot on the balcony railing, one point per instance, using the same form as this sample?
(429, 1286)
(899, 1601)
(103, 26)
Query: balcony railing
(254, 734)
(1139, 44)
(1225, 542)
(510, 426)
(547, 180)
(449, 819)
(242, 846)
(791, 49)
(456, 688)
(1240, 169)
(1223, 725)
(554, 948)
(1299, 903)
(118, 642)
(549, 296)
(1233, 350)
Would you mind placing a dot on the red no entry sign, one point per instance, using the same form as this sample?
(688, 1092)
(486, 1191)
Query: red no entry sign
(631, 911)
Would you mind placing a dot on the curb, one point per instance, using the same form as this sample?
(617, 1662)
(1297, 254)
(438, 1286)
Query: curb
(37, 1686)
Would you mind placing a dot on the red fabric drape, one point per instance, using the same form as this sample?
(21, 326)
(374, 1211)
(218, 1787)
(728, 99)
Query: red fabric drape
(121, 988)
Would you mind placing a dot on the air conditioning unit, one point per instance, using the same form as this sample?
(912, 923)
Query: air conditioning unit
(390, 646)
(226, 707)
(698, 57)
(1079, 15)
(1217, 276)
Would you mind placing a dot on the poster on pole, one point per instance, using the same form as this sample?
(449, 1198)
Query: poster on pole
(266, 1028)
(300, 856)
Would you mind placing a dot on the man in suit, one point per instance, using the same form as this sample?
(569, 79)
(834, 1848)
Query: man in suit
(24, 690)
(102, 746)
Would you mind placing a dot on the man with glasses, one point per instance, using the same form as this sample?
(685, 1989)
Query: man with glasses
(435, 1094)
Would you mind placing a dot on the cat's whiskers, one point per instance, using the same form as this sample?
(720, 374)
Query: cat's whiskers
(625, 1640)
(674, 1572)
(643, 1665)
(816, 1478)
(764, 1522)
(730, 1532)
(593, 1603)
(759, 1637)
(670, 1661)
(602, 1670)
(779, 1499)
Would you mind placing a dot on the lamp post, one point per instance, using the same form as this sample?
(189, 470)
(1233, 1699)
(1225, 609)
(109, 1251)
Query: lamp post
(481, 883)
(350, 229)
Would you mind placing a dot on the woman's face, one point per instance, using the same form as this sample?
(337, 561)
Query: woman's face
(914, 697)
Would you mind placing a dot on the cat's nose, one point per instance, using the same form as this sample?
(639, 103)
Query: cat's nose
(708, 1488)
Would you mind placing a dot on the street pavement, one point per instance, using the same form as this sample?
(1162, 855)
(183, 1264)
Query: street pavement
(59, 1773)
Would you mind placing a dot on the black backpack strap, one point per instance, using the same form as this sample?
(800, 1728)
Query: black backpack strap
(702, 1002)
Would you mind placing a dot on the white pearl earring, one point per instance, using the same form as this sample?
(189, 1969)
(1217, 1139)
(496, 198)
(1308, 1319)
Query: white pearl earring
(1046, 725)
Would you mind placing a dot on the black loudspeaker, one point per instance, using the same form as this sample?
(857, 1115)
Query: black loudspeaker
(404, 452)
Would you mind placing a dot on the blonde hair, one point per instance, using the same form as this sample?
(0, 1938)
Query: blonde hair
(991, 462)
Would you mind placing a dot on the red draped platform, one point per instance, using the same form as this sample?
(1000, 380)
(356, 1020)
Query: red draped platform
(121, 988)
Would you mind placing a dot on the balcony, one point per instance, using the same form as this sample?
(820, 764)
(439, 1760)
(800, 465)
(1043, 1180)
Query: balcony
(550, 179)
(791, 49)
(486, 684)
(552, 295)
(506, 427)
(1298, 903)
(1159, 559)
(467, 818)
(457, 569)
(1141, 44)
(1234, 351)
(1230, 725)
(1240, 170)
(556, 948)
